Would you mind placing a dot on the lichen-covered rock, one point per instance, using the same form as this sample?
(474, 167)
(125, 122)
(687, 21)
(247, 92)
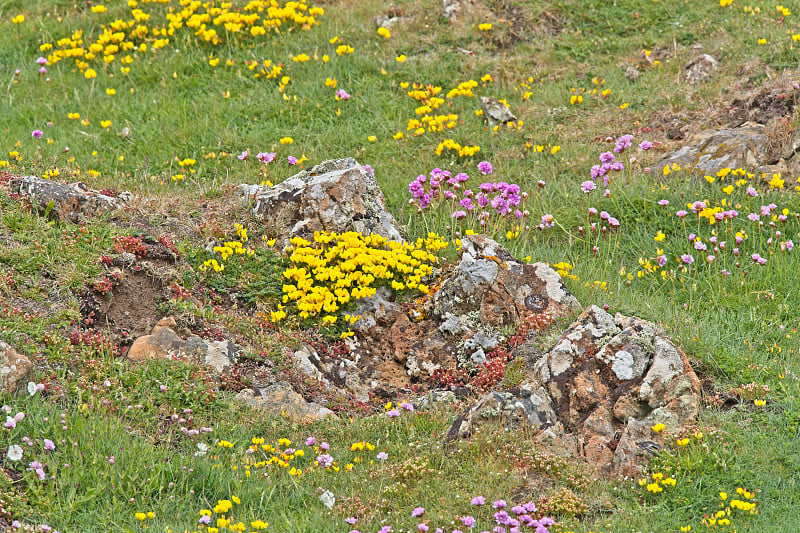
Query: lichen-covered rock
(503, 290)
(496, 112)
(281, 399)
(16, 370)
(67, 202)
(335, 196)
(457, 324)
(712, 150)
(602, 386)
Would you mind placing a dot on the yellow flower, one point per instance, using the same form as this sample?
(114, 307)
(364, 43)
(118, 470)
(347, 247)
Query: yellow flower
(111, 92)
(19, 19)
(658, 428)
(486, 26)
(90, 73)
(140, 516)
(762, 41)
(624, 105)
(384, 32)
(401, 58)
(213, 62)
(105, 123)
(760, 403)
(660, 236)
(555, 149)
(372, 139)
(398, 135)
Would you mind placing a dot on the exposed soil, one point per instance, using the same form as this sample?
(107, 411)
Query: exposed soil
(131, 307)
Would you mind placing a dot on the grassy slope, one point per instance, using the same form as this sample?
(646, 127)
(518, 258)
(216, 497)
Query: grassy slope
(177, 109)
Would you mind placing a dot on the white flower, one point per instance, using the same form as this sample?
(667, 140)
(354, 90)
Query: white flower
(31, 388)
(202, 448)
(328, 499)
(6, 409)
(14, 452)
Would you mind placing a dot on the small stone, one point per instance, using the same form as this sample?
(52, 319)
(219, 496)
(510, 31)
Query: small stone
(16, 370)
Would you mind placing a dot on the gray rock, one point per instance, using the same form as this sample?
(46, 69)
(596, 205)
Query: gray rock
(600, 389)
(63, 202)
(741, 147)
(496, 112)
(280, 399)
(334, 196)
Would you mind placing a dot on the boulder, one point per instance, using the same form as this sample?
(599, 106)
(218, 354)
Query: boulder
(65, 202)
(458, 323)
(164, 343)
(599, 391)
(16, 370)
(335, 196)
(496, 112)
(712, 150)
(280, 399)
(502, 290)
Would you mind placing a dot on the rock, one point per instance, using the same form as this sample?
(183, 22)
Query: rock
(456, 324)
(495, 111)
(700, 69)
(334, 196)
(503, 290)
(16, 370)
(67, 202)
(712, 150)
(164, 343)
(302, 360)
(280, 399)
(451, 9)
(602, 386)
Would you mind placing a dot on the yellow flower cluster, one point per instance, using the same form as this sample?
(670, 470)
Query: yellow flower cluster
(326, 275)
(656, 483)
(461, 151)
(726, 515)
(463, 89)
(140, 32)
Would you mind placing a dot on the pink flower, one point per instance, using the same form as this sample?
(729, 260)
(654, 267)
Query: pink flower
(423, 527)
(37, 134)
(587, 186)
(393, 413)
(478, 500)
(242, 156)
(341, 94)
(292, 160)
(266, 157)
(418, 511)
(499, 504)
(485, 168)
(351, 520)
(310, 441)
(468, 521)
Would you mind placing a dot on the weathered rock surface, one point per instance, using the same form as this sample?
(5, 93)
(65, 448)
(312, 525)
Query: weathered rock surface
(488, 289)
(712, 150)
(700, 69)
(761, 137)
(336, 196)
(164, 343)
(496, 112)
(280, 399)
(15, 370)
(599, 390)
(69, 202)
(502, 290)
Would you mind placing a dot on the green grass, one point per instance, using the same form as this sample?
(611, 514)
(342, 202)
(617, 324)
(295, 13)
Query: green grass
(737, 329)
